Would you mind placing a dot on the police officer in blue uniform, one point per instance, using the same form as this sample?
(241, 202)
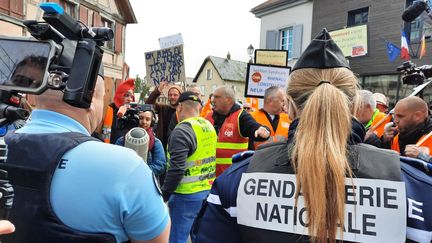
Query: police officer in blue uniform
(70, 187)
(321, 185)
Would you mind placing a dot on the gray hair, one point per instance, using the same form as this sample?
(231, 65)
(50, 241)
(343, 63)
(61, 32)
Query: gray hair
(271, 91)
(366, 98)
(228, 91)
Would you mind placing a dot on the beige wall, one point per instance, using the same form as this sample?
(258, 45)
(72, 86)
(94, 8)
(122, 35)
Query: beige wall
(217, 81)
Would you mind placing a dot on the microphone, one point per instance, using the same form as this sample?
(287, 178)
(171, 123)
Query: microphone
(413, 11)
(137, 139)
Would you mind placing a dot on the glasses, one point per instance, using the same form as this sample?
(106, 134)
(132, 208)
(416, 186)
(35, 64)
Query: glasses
(126, 95)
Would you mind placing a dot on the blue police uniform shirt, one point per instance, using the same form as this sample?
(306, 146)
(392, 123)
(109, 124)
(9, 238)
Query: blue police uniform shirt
(99, 187)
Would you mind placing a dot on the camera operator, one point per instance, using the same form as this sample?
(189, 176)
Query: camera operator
(71, 188)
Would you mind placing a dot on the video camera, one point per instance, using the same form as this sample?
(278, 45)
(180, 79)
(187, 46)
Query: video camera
(414, 75)
(130, 118)
(66, 55)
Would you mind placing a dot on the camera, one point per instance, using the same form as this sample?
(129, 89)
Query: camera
(64, 55)
(130, 119)
(414, 75)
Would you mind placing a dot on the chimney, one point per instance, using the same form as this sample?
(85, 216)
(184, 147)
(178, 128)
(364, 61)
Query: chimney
(228, 56)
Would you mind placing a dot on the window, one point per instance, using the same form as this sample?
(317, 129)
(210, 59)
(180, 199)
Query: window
(13, 8)
(209, 74)
(69, 8)
(286, 41)
(202, 89)
(358, 16)
(417, 28)
(110, 24)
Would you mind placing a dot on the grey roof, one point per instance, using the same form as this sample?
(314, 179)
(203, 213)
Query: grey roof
(231, 70)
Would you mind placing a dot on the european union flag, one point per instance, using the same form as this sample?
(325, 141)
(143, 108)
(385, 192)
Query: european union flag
(392, 51)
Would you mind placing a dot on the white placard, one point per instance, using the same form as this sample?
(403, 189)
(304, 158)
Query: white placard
(374, 210)
(170, 41)
(260, 77)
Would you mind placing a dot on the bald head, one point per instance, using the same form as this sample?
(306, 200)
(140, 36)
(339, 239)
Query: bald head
(410, 113)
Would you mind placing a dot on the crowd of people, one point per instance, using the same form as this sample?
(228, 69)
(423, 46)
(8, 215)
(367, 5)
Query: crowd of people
(214, 168)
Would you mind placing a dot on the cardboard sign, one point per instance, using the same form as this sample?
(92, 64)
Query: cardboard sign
(166, 64)
(170, 41)
(374, 209)
(260, 77)
(271, 57)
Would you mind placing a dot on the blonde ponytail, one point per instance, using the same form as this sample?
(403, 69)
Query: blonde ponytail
(320, 150)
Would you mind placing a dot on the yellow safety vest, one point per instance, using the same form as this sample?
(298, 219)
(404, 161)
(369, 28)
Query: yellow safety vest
(201, 165)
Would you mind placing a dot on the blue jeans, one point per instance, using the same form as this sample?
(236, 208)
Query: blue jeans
(184, 209)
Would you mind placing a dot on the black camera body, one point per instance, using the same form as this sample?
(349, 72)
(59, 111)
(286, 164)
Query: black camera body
(65, 55)
(414, 75)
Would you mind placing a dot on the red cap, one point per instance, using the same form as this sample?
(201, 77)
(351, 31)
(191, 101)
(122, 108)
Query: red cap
(123, 87)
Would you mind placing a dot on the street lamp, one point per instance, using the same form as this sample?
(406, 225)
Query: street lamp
(250, 51)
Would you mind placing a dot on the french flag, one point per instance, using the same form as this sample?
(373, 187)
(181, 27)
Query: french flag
(404, 47)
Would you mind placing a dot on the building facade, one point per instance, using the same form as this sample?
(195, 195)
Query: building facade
(384, 23)
(217, 71)
(115, 14)
(285, 25)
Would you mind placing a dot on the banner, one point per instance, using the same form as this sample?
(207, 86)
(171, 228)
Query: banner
(260, 77)
(352, 41)
(374, 209)
(166, 64)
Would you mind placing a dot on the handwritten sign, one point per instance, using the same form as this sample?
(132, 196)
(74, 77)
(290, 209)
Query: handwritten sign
(166, 64)
(170, 41)
(260, 77)
(352, 41)
(271, 57)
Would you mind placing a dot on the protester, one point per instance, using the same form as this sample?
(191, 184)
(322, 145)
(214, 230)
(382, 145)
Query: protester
(234, 127)
(113, 128)
(381, 102)
(191, 171)
(165, 111)
(70, 187)
(271, 115)
(296, 191)
(156, 159)
(412, 125)
(371, 117)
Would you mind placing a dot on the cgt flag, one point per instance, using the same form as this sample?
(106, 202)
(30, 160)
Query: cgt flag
(404, 47)
(392, 51)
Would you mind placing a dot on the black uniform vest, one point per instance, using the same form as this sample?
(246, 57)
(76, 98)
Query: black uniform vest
(31, 162)
(365, 160)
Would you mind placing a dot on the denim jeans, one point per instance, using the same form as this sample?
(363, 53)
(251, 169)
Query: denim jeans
(183, 211)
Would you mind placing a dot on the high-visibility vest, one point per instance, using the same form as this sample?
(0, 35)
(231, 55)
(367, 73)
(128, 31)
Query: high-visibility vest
(230, 141)
(107, 124)
(281, 132)
(427, 143)
(376, 117)
(201, 165)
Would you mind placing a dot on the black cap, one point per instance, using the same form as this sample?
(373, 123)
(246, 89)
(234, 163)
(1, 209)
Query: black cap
(189, 95)
(322, 53)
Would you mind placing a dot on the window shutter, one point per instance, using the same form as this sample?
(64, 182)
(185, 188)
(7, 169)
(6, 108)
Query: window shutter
(4, 4)
(96, 19)
(83, 14)
(271, 39)
(118, 42)
(297, 40)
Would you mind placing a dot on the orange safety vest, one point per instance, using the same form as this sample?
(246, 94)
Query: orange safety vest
(229, 141)
(380, 130)
(427, 143)
(107, 124)
(281, 132)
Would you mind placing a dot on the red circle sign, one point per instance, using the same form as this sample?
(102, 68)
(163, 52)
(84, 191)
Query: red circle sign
(256, 77)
